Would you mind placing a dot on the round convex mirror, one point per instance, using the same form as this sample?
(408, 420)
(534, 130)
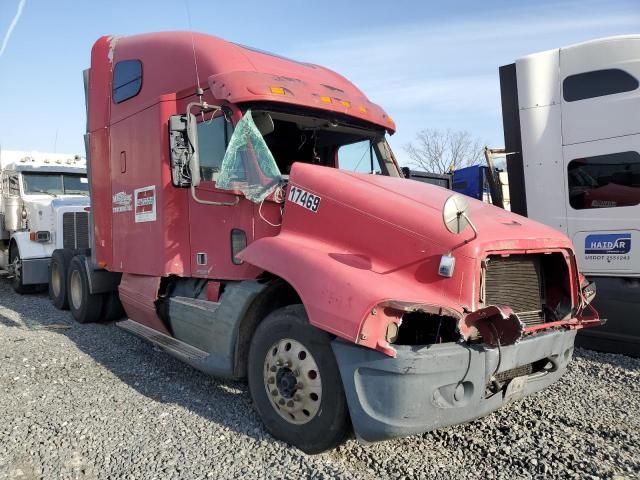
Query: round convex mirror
(455, 213)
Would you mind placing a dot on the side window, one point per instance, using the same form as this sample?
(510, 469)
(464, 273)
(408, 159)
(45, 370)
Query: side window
(213, 137)
(127, 80)
(597, 83)
(605, 181)
(14, 185)
(358, 157)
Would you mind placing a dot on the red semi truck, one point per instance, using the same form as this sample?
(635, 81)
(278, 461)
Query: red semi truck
(257, 225)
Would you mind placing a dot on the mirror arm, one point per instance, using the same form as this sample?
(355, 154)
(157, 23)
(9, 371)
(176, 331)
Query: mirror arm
(468, 240)
(473, 227)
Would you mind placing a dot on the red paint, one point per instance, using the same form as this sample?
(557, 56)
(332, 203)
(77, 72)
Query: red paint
(376, 239)
(138, 294)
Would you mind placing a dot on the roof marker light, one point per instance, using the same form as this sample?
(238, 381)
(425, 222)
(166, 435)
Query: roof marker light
(325, 99)
(363, 109)
(346, 104)
(277, 90)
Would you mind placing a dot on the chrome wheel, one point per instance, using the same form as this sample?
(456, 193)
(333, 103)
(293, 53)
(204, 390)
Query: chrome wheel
(75, 285)
(292, 380)
(15, 266)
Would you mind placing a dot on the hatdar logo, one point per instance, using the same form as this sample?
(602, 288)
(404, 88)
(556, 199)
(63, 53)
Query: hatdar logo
(608, 244)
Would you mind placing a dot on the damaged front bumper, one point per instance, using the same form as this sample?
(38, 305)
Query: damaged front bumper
(433, 386)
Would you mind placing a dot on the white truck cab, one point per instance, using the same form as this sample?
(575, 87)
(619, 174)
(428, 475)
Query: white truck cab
(44, 201)
(571, 117)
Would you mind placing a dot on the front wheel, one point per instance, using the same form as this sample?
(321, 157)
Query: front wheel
(16, 266)
(295, 383)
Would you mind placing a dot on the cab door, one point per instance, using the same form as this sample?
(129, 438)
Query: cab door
(211, 225)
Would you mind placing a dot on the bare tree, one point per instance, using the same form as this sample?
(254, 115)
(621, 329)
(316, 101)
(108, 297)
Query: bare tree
(442, 151)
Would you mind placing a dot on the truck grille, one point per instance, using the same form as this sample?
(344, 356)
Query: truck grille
(75, 230)
(516, 282)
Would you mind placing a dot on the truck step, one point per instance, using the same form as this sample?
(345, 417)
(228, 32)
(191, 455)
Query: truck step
(165, 342)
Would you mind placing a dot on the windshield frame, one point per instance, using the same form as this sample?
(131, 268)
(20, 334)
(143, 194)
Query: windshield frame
(386, 159)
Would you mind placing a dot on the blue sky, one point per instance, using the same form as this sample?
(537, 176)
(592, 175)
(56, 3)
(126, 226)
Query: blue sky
(430, 65)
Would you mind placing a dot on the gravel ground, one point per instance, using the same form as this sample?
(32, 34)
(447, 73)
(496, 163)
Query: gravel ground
(92, 401)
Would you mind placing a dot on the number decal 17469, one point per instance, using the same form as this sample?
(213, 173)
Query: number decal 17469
(304, 199)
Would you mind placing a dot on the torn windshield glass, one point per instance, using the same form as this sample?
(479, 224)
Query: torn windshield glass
(248, 165)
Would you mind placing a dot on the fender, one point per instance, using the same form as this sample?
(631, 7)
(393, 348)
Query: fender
(29, 249)
(339, 290)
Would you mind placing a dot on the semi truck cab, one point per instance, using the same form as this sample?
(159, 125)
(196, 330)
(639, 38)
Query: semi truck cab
(253, 222)
(43, 207)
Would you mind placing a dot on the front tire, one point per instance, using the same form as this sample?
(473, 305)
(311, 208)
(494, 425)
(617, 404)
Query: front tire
(85, 307)
(17, 281)
(295, 383)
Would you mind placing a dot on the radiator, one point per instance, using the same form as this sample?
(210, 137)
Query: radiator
(516, 282)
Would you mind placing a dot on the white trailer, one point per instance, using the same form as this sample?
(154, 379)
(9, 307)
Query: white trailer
(44, 201)
(572, 117)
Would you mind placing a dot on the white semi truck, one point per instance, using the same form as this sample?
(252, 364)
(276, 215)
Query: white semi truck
(44, 201)
(572, 120)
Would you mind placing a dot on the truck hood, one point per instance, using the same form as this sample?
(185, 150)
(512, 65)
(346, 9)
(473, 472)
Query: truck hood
(56, 202)
(43, 210)
(355, 245)
(416, 208)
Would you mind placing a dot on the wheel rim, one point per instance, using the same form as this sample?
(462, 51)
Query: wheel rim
(16, 266)
(55, 279)
(75, 287)
(292, 380)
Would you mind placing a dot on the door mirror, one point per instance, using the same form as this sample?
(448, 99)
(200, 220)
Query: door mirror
(183, 150)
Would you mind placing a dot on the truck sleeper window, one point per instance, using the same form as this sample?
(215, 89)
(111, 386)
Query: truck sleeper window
(605, 181)
(597, 83)
(127, 80)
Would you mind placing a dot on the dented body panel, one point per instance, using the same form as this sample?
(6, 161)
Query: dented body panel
(376, 239)
(436, 386)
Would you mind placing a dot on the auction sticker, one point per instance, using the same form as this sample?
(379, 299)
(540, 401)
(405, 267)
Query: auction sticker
(145, 201)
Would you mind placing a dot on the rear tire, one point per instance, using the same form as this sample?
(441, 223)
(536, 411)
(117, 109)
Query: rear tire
(58, 271)
(295, 383)
(85, 307)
